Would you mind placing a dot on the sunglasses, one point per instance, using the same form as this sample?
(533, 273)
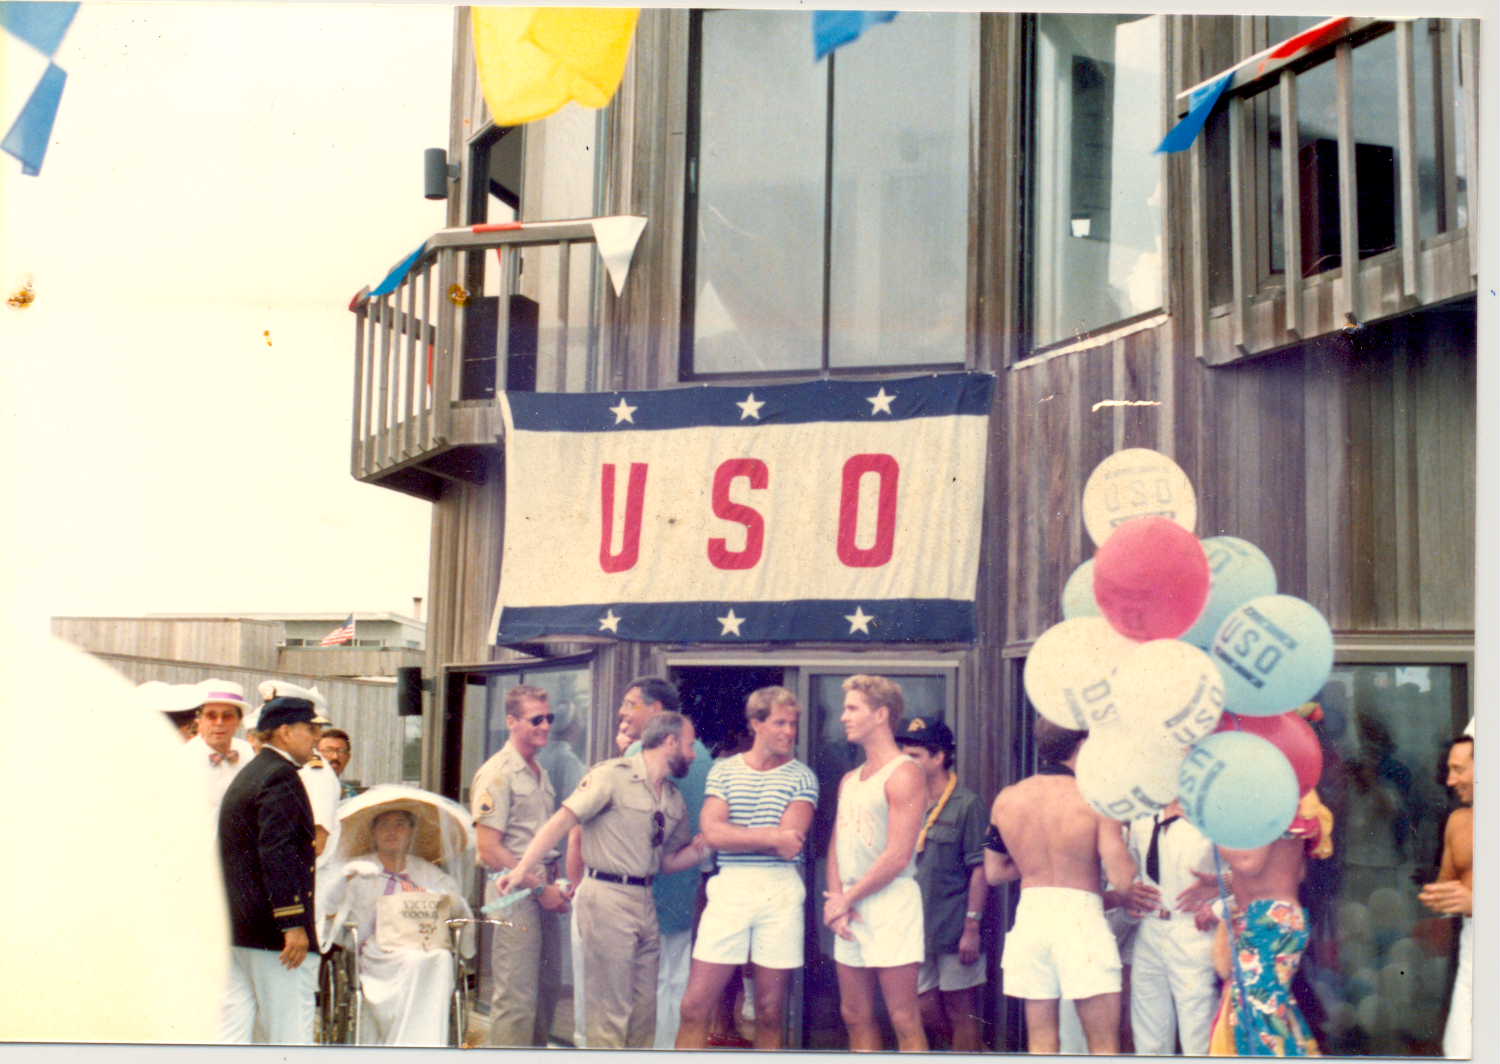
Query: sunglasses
(541, 718)
(660, 820)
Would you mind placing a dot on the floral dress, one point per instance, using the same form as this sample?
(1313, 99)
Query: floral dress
(1269, 937)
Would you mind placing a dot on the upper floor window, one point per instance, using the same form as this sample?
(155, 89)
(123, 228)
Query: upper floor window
(827, 212)
(1094, 190)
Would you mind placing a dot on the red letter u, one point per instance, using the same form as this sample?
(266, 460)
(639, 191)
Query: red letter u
(635, 499)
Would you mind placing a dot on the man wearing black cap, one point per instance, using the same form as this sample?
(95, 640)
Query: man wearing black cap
(950, 871)
(266, 848)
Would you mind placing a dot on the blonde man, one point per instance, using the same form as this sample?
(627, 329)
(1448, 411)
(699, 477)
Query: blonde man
(511, 798)
(757, 809)
(874, 906)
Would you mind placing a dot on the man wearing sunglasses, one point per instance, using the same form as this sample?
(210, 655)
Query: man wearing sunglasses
(635, 826)
(511, 798)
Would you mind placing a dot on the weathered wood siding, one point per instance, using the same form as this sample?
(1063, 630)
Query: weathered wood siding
(365, 709)
(233, 641)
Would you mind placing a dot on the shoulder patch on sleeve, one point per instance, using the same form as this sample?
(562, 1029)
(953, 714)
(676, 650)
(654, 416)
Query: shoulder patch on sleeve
(486, 803)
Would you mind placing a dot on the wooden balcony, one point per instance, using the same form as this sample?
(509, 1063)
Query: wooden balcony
(1352, 243)
(430, 355)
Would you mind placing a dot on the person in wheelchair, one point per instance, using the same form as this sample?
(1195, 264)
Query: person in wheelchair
(397, 899)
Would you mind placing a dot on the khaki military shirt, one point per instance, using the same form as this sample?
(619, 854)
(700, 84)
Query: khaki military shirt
(618, 807)
(510, 798)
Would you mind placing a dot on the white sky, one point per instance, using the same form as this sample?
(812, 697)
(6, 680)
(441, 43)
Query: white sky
(216, 172)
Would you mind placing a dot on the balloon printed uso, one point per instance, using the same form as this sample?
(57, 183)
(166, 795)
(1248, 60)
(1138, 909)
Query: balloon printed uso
(1125, 777)
(1078, 593)
(1169, 691)
(1274, 652)
(1292, 735)
(1136, 482)
(1238, 789)
(1238, 572)
(1151, 579)
(1067, 674)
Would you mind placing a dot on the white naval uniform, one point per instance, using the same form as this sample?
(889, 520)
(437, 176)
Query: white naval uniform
(407, 992)
(216, 778)
(1172, 969)
(322, 786)
(1458, 1035)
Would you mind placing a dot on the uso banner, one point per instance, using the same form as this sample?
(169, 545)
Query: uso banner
(826, 511)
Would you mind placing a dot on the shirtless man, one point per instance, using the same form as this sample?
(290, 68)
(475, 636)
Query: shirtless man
(1045, 834)
(1271, 923)
(1453, 894)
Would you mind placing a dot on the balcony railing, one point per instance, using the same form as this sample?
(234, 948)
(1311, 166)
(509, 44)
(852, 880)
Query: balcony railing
(425, 367)
(1290, 278)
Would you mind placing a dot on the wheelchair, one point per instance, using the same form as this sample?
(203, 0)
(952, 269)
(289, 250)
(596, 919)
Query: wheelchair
(340, 999)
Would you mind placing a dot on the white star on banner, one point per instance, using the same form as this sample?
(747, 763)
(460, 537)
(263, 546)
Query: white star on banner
(750, 407)
(624, 412)
(609, 622)
(859, 620)
(730, 622)
(880, 403)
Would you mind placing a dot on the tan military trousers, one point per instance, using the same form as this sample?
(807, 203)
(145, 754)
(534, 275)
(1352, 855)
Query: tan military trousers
(622, 942)
(524, 968)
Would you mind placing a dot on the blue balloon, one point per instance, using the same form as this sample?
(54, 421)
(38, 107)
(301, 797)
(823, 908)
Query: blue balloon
(1238, 571)
(1078, 594)
(1274, 652)
(1238, 789)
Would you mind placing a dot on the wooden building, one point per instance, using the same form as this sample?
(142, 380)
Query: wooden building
(978, 191)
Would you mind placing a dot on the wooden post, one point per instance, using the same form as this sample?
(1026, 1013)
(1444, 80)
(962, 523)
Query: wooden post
(1291, 199)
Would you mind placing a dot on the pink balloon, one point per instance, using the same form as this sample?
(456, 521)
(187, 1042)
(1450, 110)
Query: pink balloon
(1151, 578)
(1292, 735)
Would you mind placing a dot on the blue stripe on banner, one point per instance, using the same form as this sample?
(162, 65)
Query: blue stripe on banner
(40, 24)
(834, 29)
(935, 395)
(810, 620)
(1181, 136)
(32, 130)
(397, 275)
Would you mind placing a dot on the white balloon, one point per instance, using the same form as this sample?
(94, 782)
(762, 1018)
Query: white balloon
(1126, 777)
(1169, 690)
(1137, 482)
(117, 926)
(1067, 674)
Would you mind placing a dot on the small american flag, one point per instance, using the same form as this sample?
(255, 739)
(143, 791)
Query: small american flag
(344, 633)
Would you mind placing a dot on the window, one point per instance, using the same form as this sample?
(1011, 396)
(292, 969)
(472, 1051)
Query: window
(827, 213)
(1093, 188)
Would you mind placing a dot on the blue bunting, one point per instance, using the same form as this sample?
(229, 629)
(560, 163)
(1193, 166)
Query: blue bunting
(32, 129)
(41, 25)
(833, 29)
(1181, 136)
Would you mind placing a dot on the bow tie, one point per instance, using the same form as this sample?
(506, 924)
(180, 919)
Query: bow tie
(232, 757)
(395, 881)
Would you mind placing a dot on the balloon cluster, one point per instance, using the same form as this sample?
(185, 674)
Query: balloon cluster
(1182, 662)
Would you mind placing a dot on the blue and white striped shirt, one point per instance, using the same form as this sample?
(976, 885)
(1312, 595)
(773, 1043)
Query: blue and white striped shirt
(758, 799)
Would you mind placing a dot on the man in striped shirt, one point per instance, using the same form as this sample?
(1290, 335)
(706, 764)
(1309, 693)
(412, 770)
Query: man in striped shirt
(757, 809)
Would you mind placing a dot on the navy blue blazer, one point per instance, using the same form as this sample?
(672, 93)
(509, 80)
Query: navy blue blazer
(266, 848)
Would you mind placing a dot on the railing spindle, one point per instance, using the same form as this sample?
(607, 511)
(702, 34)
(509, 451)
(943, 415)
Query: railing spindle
(1291, 199)
(408, 400)
(564, 254)
(1237, 222)
(1406, 144)
(360, 318)
(1343, 58)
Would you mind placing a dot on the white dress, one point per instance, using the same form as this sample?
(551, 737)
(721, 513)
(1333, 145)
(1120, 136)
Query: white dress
(407, 992)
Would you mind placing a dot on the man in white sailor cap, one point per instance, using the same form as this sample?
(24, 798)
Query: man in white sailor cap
(178, 702)
(216, 754)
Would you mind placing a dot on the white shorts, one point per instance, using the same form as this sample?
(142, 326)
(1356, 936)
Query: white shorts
(948, 973)
(754, 912)
(887, 930)
(1060, 946)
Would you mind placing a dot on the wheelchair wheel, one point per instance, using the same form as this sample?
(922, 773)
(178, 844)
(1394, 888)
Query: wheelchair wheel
(336, 990)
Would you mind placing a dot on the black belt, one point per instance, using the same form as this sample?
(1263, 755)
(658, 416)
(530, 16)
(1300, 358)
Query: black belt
(629, 881)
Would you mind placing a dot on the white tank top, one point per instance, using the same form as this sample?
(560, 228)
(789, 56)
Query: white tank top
(863, 819)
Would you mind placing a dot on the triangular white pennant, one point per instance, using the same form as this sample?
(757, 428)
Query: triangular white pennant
(616, 238)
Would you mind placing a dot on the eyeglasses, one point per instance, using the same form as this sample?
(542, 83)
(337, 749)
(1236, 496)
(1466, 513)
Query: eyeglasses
(660, 820)
(541, 718)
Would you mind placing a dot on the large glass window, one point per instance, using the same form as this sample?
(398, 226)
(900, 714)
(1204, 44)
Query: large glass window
(1094, 247)
(828, 201)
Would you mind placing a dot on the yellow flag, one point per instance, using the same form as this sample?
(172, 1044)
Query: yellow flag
(533, 60)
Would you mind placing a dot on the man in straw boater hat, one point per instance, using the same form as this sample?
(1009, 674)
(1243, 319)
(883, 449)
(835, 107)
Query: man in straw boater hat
(635, 825)
(392, 888)
(1044, 832)
(950, 871)
(757, 812)
(215, 754)
(873, 904)
(266, 848)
